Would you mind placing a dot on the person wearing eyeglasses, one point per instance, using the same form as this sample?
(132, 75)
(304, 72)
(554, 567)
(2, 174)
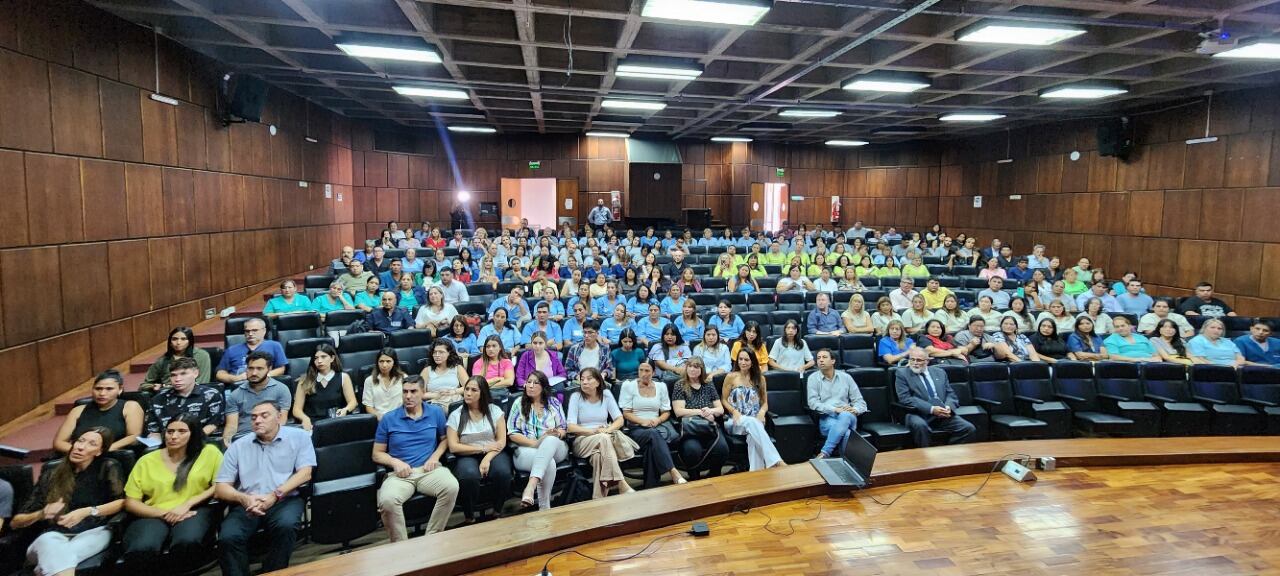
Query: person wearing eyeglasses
(932, 401)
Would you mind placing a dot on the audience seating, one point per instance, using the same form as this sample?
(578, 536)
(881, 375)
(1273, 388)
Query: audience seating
(1074, 383)
(359, 350)
(1165, 384)
(1216, 387)
(1034, 396)
(317, 281)
(290, 327)
(991, 389)
(1260, 387)
(344, 486)
(878, 420)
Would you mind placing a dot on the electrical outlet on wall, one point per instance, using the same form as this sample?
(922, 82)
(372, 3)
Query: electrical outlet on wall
(210, 313)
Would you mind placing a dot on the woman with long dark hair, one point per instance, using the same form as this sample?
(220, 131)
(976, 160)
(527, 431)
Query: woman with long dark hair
(1083, 343)
(693, 399)
(1167, 340)
(751, 339)
(595, 421)
(647, 408)
(71, 504)
(790, 352)
(463, 339)
(538, 428)
(443, 374)
(316, 396)
(495, 365)
(1046, 342)
(382, 392)
(124, 418)
(181, 343)
(166, 493)
(935, 341)
(477, 436)
(747, 401)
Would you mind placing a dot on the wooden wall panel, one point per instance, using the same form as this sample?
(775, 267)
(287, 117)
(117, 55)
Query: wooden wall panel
(191, 145)
(1239, 268)
(165, 259)
(1220, 215)
(121, 122)
(21, 387)
(1248, 160)
(130, 277)
(196, 266)
(177, 186)
(1182, 213)
(25, 118)
(1165, 169)
(77, 120)
(105, 206)
(1258, 222)
(54, 201)
(145, 198)
(13, 197)
(63, 359)
(375, 169)
(1197, 262)
(111, 344)
(1205, 164)
(85, 285)
(32, 283)
(159, 132)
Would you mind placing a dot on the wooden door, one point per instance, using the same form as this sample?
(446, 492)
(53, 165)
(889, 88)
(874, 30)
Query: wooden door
(568, 201)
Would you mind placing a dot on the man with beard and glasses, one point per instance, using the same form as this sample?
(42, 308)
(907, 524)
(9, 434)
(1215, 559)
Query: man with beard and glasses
(933, 402)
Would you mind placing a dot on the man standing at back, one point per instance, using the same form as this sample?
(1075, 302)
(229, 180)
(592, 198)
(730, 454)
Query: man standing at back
(601, 215)
(260, 476)
(933, 402)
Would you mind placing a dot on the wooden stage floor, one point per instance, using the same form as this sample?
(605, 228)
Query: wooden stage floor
(1190, 519)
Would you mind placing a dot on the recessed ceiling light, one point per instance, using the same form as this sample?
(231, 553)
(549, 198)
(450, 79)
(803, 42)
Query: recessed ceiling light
(847, 142)
(601, 134)
(444, 93)
(737, 12)
(657, 71)
(1256, 51)
(970, 117)
(390, 53)
(885, 85)
(730, 139)
(1082, 92)
(632, 105)
(803, 113)
(1025, 34)
(473, 129)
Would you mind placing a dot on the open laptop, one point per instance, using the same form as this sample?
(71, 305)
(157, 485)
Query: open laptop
(854, 468)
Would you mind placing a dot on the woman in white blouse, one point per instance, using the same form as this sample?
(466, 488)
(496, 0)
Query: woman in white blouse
(790, 352)
(595, 422)
(382, 391)
(436, 313)
(477, 435)
(647, 409)
(855, 317)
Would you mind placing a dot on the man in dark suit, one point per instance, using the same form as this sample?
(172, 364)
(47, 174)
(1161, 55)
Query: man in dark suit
(932, 401)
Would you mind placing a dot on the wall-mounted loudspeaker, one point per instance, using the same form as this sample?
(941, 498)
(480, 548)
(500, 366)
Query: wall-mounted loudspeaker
(1115, 137)
(241, 98)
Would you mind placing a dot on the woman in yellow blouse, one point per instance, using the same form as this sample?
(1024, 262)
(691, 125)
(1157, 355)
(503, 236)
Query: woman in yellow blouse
(724, 267)
(865, 268)
(916, 269)
(166, 493)
(752, 340)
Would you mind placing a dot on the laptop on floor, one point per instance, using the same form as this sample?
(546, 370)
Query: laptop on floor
(853, 468)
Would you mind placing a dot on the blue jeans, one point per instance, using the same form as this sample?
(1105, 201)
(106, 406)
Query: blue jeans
(835, 428)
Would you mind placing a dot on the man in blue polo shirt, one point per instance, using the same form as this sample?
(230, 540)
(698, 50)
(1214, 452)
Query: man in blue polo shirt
(231, 367)
(1258, 347)
(410, 441)
(542, 323)
(1133, 300)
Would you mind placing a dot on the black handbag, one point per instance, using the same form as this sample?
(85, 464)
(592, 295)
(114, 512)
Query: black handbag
(699, 428)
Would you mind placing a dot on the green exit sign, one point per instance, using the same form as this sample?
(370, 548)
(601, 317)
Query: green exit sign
(534, 164)
(782, 172)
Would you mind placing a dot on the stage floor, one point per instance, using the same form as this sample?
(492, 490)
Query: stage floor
(1190, 519)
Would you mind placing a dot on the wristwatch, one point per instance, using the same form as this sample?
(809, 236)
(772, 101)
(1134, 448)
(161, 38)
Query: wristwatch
(93, 511)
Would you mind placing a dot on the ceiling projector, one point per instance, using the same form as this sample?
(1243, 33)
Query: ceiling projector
(1214, 42)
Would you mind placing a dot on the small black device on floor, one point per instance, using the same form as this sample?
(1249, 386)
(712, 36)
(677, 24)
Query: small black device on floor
(700, 529)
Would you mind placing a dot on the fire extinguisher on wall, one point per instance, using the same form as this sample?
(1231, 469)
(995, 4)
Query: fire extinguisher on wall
(835, 210)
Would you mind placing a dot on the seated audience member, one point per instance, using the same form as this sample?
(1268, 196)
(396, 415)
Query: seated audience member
(977, 343)
(231, 369)
(883, 315)
(999, 298)
(1203, 303)
(951, 315)
(1093, 310)
(913, 318)
(987, 311)
(1212, 346)
(1084, 344)
(939, 345)
(411, 441)
(1057, 293)
(289, 301)
(370, 298)
(344, 258)
(1099, 290)
(71, 504)
(993, 270)
(542, 323)
(356, 279)
(1012, 345)
(688, 322)
(836, 397)
(388, 317)
(1046, 342)
(124, 418)
(744, 282)
(714, 353)
(203, 404)
(729, 324)
(595, 421)
(1258, 347)
(794, 282)
(1133, 300)
(612, 326)
(443, 373)
(411, 264)
(646, 406)
(1160, 310)
(477, 436)
(1020, 314)
(333, 300)
(668, 353)
(1072, 284)
(366, 253)
(696, 403)
(790, 352)
(258, 386)
(494, 364)
(1021, 270)
(498, 326)
(1124, 345)
(454, 291)
(463, 338)
(855, 317)
(390, 278)
(1168, 343)
(537, 426)
(537, 358)
(823, 319)
(672, 305)
(317, 396)
(751, 339)
(382, 391)
(589, 353)
(517, 309)
(408, 296)
(166, 493)
(1057, 313)
(181, 344)
(379, 263)
(934, 294)
(932, 400)
(901, 298)
(893, 346)
(435, 314)
(746, 399)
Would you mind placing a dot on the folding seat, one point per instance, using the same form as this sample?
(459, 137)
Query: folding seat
(465, 308)
(1165, 385)
(359, 350)
(878, 420)
(760, 318)
(869, 281)
(304, 347)
(840, 299)
(991, 389)
(772, 270)
(233, 330)
(215, 356)
(339, 320)
(1112, 405)
(975, 284)
(791, 302)
(948, 281)
(344, 484)
(715, 250)
(701, 271)
(857, 351)
(817, 343)
(927, 260)
(393, 253)
(958, 376)
(504, 288)
(1237, 325)
(871, 296)
(450, 253)
(320, 281)
(1033, 394)
(793, 431)
(291, 327)
(963, 271)
(782, 380)
(411, 345)
(479, 290)
(767, 283)
(966, 297)
(1260, 387)
(938, 269)
(705, 301)
(1215, 387)
(696, 249)
(761, 302)
(870, 377)
(714, 284)
(737, 299)
(662, 259)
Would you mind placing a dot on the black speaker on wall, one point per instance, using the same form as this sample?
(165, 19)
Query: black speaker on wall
(1115, 137)
(242, 98)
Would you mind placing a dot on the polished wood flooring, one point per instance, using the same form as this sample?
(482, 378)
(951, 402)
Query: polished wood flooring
(1194, 519)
